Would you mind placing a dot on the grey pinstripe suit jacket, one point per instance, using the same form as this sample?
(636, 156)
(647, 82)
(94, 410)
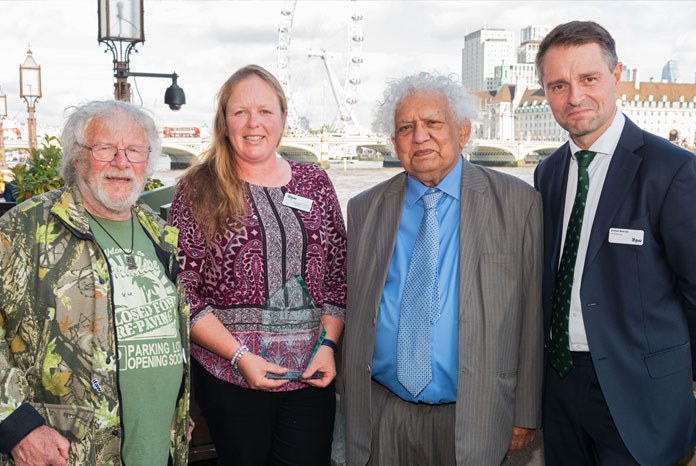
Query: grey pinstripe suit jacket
(500, 318)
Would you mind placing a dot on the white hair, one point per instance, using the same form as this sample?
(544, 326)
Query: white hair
(80, 118)
(458, 99)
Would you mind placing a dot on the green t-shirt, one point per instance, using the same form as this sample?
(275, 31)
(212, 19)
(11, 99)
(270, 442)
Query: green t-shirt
(150, 356)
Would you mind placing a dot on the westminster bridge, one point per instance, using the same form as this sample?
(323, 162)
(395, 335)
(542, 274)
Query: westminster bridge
(323, 148)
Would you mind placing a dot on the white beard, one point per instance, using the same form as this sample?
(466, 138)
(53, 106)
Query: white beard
(99, 194)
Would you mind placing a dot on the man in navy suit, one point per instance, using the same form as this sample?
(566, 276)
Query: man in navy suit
(620, 286)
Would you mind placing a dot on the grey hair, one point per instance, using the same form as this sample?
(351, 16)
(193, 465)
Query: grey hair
(80, 118)
(458, 99)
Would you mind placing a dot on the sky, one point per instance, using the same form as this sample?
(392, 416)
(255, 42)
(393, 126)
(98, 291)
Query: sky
(205, 41)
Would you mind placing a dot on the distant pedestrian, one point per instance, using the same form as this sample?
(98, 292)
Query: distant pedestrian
(620, 275)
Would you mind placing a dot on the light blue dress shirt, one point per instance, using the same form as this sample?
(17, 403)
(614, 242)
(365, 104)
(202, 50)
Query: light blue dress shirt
(443, 333)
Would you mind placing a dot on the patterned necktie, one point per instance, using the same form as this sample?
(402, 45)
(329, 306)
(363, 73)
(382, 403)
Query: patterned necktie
(560, 344)
(420, 304)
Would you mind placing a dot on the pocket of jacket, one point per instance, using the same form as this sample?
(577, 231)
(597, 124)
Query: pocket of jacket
(669, 361)
(75, 423)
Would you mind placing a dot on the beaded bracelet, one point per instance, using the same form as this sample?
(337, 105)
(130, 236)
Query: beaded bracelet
(237, 356)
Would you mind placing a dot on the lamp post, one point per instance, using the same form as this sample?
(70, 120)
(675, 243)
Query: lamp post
(121, 27)
(3, 114)
(30, 91)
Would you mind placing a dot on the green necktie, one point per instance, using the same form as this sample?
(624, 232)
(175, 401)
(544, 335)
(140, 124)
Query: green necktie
(560, 349)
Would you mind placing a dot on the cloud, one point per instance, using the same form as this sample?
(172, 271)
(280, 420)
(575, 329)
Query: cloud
(205, 41)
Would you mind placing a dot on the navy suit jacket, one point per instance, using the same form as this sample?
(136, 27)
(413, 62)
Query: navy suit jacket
(636, 300)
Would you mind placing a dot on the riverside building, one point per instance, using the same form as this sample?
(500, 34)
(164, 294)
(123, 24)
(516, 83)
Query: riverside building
(515, 112)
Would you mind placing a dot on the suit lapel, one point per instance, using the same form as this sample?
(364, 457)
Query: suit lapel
(620, 176)
(558, 180)
(474, 208)
(379, 240)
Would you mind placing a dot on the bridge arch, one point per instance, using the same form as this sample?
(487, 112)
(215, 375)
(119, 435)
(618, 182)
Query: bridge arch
(299, 152)
(382, 148)
(543, 152)
(492, 154)
(181, 156)
(537, 152)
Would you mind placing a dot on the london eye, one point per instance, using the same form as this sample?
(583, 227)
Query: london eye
(344, 91)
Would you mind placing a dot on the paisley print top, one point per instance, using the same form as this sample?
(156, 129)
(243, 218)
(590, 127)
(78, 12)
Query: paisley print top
(236, 273)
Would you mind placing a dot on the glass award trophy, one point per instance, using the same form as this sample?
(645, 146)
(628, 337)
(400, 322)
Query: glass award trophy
(291, 329)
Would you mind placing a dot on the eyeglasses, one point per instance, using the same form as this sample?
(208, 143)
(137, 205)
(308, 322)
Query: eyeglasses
(108, 152)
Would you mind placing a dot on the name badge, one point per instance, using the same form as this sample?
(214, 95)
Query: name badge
(297, 202)
(623, 236)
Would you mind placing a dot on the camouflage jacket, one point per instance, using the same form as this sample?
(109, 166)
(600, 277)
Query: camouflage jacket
(57, 331)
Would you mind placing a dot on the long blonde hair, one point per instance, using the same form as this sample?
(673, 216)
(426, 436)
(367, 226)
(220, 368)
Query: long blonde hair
(213, 188)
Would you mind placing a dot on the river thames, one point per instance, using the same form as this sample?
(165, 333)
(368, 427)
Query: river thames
(350, 182)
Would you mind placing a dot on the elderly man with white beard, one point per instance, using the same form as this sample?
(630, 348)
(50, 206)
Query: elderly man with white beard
(93, 324)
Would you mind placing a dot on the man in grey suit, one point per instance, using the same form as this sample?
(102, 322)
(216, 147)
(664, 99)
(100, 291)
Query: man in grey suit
(443, 340)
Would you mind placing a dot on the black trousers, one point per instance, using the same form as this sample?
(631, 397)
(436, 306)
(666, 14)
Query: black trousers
(257, 428)
(578, 427)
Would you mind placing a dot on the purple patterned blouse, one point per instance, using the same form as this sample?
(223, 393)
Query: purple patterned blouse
(235, 275)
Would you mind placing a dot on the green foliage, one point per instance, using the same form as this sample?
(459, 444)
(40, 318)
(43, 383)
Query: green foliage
(153, 183)
(40, 175)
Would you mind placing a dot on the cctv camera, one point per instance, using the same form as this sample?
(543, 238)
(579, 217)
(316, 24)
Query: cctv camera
(174, 97)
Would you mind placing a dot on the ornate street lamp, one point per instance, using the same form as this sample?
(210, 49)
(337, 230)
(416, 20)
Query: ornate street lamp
(121, 27)
(30, 91)
(3, 114)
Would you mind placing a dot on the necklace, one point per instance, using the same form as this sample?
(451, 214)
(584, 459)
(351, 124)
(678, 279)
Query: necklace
(130, 260)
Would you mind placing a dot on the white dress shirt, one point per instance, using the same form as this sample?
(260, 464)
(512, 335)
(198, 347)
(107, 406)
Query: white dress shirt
(604, 147)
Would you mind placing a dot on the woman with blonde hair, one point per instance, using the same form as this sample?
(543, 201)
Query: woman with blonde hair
(262, 250)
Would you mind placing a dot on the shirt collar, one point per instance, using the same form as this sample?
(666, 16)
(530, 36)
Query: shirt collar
(607, 142)
(450, 185)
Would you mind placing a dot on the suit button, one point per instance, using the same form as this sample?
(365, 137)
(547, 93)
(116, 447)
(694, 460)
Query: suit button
(369, 369)
(374, 321)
